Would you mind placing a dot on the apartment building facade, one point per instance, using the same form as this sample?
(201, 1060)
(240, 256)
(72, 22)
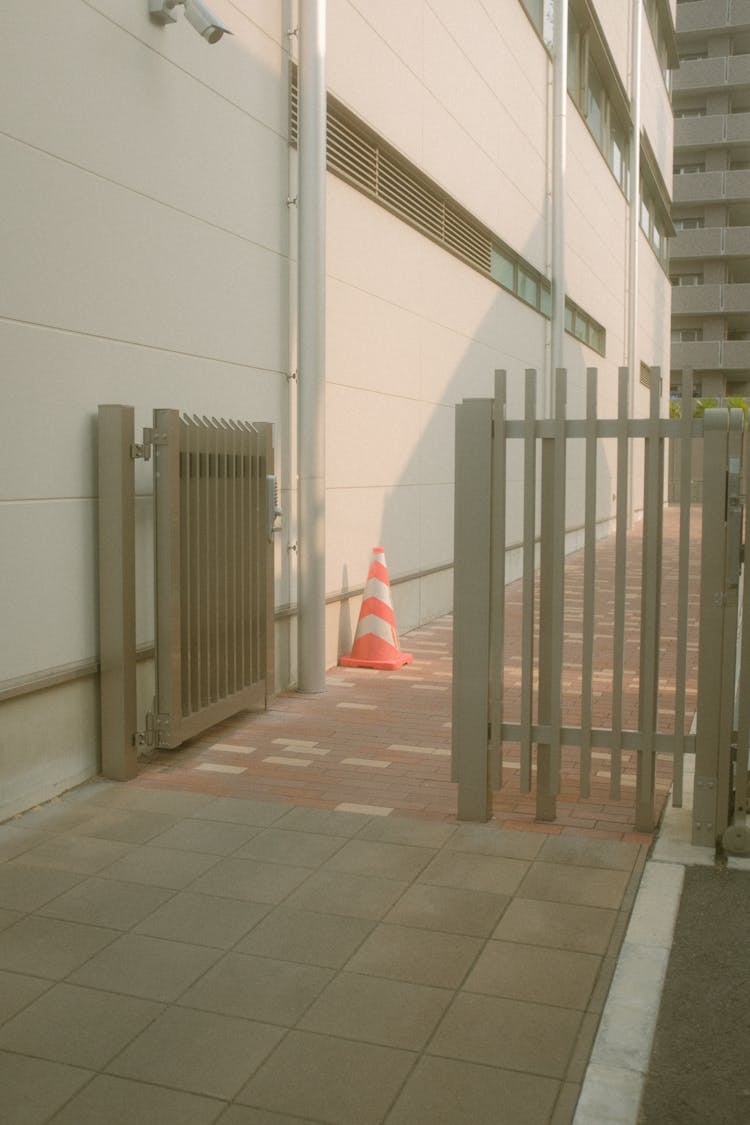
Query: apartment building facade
(710, 254)
(150, 231)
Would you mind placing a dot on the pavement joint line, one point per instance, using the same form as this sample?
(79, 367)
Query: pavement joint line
(616, 1074)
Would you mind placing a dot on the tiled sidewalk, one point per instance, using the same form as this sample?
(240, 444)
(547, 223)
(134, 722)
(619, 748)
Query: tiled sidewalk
(173, 957)
(282, 924)
(379, 742)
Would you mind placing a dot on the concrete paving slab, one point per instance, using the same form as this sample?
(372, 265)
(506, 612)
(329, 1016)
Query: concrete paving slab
(81, 1026)
(337, 892)
(327, 940)
(172, 1052)
(559, 925)
(532, 1038)
(418, 956)
(449, 1092)
(120, 1101)
(495, 874)
(448, 909)
(34, 1088)
(259, 988)
(24, 888)
(106, 902)
(138, 965)
(545, 976)
(304, 1077)
(372, 1010)
(49, 947)
(205, 919)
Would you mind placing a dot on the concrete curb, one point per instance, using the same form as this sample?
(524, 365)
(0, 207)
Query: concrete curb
(614, 1080)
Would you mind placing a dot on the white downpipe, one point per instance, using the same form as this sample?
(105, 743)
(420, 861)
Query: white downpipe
(311, 374)
(559, 143)
(632, 360)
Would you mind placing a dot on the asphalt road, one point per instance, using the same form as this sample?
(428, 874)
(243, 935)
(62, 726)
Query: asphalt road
(700, 1064)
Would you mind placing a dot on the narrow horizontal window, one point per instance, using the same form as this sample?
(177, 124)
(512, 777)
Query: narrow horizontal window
(528, 287)
(503, 270)
(579, 324)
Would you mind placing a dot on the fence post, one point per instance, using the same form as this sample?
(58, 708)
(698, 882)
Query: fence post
(471, 608)
(648, 696)
(167, 575)
(117, 592)
(718, 625)
(551, 605)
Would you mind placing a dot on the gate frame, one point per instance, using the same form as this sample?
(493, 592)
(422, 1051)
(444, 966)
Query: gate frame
(479, 729)
(117, 454)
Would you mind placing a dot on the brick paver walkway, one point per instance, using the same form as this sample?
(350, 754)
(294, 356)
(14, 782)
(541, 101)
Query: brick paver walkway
(379, 742)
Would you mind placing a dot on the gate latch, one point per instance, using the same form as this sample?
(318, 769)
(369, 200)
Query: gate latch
(273, 508)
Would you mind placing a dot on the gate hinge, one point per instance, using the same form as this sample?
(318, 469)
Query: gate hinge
(143, 449)
(157, 727)
(146, 739)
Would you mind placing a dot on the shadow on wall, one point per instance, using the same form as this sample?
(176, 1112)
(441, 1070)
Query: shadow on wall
(403, 425)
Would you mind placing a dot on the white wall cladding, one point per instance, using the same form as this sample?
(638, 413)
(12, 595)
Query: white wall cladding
(615, 16)
(596, 242)
(411, 331)
(464, 86)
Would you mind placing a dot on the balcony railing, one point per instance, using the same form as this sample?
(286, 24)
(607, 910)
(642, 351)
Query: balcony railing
(710, 300)
(700, 74)
(705, 243)
(712, 355)
(737, 185)
(699, 132)
(701, 355)
(738, 70)
(738, 128)
(707, 187)
(698, 187)
(736, 241)
(696, 300)
(736, 355)
(712, 15)
(735, 298)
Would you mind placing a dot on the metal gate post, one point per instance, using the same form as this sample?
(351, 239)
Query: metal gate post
(648, 699)
(720, 559)
(117, 592)
(166, 459)
(551, 605)
(471, 608)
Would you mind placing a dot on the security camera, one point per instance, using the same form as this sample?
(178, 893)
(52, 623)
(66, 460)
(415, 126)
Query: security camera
(204, 21)
(197, 13)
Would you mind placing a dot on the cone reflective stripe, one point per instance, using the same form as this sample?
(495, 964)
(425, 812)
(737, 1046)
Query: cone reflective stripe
(376, 643)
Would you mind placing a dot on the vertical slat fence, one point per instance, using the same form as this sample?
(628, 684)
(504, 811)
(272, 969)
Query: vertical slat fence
(543, 726)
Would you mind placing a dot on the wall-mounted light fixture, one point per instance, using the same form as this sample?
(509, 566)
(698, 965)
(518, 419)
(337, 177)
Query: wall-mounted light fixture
(197, 13)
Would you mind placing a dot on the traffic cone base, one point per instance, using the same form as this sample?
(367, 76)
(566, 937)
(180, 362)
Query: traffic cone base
(376, 643)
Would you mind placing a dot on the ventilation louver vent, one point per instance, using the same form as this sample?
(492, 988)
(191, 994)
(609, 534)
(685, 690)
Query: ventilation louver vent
(366, 165)
(357, 155)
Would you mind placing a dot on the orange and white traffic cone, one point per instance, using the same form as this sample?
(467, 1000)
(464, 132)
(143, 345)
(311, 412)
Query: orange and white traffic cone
(376, 642)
